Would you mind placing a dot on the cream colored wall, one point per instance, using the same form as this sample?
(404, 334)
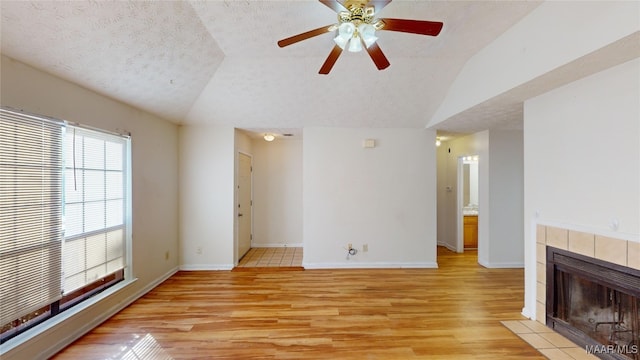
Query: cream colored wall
(277, 193)
(154, 188)
(384, 197)
(207, 214)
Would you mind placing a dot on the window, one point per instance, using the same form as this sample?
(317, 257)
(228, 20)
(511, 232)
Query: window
(94, 207)
(63, 216)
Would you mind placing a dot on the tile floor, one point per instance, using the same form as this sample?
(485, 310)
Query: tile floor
(548, 342)
(272, 257)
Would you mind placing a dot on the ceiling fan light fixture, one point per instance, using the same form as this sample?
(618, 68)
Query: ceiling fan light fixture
(368, 34)
(346, 30)
(340, 41)
(378, 24)
(355, 45)
(356, 30)
(369, 12)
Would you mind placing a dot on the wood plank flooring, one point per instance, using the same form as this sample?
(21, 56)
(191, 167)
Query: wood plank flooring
(452, 312)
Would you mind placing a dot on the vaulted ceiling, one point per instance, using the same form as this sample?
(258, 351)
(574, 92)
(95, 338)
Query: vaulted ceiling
(218, 62)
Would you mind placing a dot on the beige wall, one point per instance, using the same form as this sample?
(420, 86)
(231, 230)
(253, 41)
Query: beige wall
(154, 188)
(207, 214)
(383, 196)
(277, 193)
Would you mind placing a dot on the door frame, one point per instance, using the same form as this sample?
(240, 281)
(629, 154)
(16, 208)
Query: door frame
(459, 206)
(236, 246)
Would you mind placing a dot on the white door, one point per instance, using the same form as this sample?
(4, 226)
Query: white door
(244, 204)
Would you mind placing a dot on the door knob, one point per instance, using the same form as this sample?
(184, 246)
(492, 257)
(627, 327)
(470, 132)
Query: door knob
(239, 214)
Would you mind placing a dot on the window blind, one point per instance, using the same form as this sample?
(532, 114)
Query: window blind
(95, 220)
(31, 208)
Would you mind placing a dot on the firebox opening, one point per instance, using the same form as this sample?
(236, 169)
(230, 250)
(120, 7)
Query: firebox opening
(594, 303)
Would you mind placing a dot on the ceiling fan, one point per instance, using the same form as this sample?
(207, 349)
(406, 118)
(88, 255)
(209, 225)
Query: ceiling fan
(356, 29)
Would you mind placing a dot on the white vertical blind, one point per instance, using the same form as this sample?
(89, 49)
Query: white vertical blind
(95, 189)
(30, 213)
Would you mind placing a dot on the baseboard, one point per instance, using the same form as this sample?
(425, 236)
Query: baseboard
(269, 245)
(448, 246)
(360, 265)
(207, 267)
(504, 265)
(527, 313)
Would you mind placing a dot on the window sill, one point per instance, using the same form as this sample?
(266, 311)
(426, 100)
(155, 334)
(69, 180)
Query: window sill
(61, 318)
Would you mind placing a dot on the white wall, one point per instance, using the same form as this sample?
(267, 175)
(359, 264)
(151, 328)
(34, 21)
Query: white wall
(154, 188)
(277, 193)
(384, 197)
(582, 160)
(207, 163)
(505, 200)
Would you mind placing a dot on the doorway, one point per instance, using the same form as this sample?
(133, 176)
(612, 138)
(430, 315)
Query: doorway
(467, 209)
(245, 204)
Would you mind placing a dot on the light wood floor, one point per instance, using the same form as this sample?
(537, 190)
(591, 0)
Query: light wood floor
(452, 312)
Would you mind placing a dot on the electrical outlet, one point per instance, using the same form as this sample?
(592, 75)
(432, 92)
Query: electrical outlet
(365, 247)
(199, 250)
(166, 255)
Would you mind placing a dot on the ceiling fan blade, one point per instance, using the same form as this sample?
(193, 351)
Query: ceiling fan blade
(377, 55)
(412, 26)
(331, 59)
(379, 4)
(334, 5)
(305, 35)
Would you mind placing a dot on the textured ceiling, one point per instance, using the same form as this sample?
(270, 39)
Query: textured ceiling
(156, 56)
(218, 62)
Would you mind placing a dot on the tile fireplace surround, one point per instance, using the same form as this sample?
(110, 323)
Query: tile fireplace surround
(617, 251)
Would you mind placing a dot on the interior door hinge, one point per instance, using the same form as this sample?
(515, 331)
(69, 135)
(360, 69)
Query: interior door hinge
(251, 237)
(251, 203)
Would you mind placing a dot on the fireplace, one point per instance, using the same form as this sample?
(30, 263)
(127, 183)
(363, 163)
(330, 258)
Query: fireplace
(594, 303)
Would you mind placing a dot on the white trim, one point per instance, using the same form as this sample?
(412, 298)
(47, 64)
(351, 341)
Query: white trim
(505, 265)
(49, 325)
(236, 199)
(355, 265)
(448, 246)
(206, 267)
(460, 205)
(528, 314)
(267, 245)
(591, 230)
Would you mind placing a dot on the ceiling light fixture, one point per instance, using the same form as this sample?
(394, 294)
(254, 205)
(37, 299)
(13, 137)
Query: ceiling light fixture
(269, 137)
(355, 28)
